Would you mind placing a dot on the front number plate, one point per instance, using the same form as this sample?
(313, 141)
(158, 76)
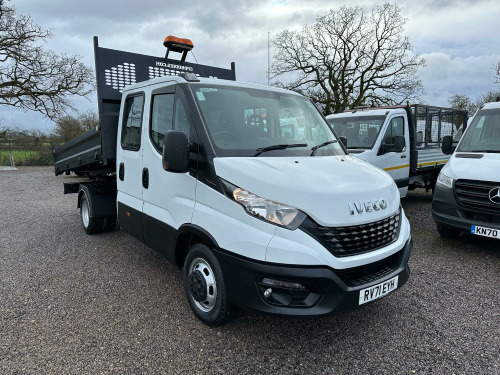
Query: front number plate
(378, 291)
(486, 232)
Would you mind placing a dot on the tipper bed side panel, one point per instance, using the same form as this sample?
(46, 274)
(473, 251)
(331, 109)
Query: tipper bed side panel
(96, 149)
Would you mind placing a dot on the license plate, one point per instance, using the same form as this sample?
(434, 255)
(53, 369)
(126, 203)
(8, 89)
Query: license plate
(486, 232)
(378, 291)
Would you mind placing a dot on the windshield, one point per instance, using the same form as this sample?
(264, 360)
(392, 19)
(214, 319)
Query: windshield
(360, 131)
(249, 122)
(483, 134)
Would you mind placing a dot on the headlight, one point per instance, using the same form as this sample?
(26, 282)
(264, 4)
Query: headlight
(444, 180)
(276, 213)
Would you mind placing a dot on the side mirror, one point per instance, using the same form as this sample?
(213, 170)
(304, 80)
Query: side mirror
(175, 151)
(344, 141)
(399, 143)
(446, 145)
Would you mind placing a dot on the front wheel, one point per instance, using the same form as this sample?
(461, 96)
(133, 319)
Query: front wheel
(204, 286)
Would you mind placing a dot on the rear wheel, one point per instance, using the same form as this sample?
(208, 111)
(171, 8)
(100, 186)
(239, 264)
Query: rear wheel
(204, 286)
(109, 223)
(91, 225)
(447, 231)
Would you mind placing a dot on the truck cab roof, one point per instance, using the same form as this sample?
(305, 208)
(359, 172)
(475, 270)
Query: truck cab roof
(201, 80)
(367, 112)
(491, 105)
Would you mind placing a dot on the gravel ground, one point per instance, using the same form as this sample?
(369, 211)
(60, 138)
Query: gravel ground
(72, 303)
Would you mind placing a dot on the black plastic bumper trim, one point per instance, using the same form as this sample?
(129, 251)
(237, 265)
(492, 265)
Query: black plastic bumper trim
(446, 210)
(241, 277)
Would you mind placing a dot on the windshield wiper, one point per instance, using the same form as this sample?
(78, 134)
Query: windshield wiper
(278, 147)
(486, 151)
(315, 148)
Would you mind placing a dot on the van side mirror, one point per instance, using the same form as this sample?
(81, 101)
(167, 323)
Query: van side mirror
(446, 145)
(175, 151)
(399, 143)
(344, 141)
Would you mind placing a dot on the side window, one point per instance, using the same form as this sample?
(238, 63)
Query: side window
(132, 120)
(396, 127)
(181, 119)
(162, 112)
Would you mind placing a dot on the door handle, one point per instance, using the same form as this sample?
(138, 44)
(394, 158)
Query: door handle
(145, 178)
(121, 172)
(403, 156)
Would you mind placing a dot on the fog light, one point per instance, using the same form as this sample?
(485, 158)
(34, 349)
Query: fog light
(268, 292)
(282, 284)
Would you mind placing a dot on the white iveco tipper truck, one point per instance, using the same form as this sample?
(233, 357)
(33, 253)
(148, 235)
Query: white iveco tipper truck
(207, 172)
(467, 196)
(405, 141)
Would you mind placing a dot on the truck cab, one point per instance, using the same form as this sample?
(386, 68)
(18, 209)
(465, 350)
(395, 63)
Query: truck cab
(249, 191)
(402, 140)
(467, 196)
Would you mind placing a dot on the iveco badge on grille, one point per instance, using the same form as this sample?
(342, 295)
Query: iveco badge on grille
(367, 206)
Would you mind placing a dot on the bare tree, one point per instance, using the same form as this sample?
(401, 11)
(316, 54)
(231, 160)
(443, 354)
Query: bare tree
(349, 58)
(460, 101)
(497, 73)
(69, 127)
(32, 78)
(490, 96)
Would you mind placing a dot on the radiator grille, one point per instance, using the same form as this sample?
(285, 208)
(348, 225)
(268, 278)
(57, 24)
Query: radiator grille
(372, 272)
(357, 239)
(475, 194)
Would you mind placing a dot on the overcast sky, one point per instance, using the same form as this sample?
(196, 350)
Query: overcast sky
(458, 38)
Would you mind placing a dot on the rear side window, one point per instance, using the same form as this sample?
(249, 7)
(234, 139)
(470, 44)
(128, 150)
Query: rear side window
(161, 118)
(132, 120)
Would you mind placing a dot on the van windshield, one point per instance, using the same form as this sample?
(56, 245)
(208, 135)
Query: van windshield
(360, 131)
(483, 134)
(251, 122)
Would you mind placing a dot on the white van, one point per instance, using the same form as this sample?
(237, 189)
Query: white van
(467, 195)
(244, 187)
(405, 141)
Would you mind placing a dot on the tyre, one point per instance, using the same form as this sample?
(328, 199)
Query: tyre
(447, 231)
(109, 223)
(91, 225)
(204, 286)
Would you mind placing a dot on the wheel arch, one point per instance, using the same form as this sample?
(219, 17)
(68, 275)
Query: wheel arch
(80, 193)
(188, 235)
(101, 197)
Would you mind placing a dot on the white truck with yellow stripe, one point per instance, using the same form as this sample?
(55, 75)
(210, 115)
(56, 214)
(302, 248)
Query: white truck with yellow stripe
(405, 141)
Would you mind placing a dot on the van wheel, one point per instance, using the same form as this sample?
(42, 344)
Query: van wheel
(91, 225)
(447, 231)
(109, 223)
(204, 286)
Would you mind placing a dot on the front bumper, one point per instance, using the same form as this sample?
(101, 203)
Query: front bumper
(328, 291)
(447, 211)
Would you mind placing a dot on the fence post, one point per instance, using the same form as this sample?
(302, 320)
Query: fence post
(10, 156)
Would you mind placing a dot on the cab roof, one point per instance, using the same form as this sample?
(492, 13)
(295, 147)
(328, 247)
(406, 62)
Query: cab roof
(491, 105)
(208, 81)
(367, 112)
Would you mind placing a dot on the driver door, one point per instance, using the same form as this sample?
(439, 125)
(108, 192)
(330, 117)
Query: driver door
(169, 198)
(397, 164)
